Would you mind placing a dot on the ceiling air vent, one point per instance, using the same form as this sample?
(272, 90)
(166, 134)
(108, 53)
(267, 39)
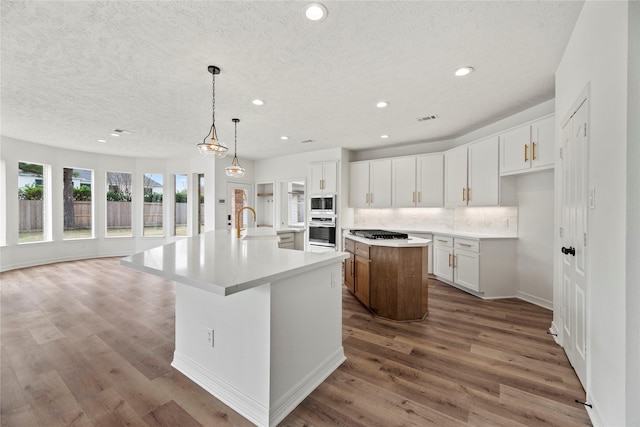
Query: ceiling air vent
(306, 141)
(122, 132)
(425, 118)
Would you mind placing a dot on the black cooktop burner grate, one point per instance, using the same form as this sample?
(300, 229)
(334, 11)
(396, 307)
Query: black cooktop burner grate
(379, 234)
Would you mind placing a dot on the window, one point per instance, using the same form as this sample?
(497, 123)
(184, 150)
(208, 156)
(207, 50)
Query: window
(32, 203)
(78, 204)
(118, 204)
(200, 203)
(180, 208)
(153, 210)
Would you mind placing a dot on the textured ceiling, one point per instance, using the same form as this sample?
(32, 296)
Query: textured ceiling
(74, 71)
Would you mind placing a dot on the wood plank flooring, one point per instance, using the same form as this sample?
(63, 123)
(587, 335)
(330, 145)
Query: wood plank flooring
(89, 343)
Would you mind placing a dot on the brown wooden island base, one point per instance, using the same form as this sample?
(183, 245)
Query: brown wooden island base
(391, 281)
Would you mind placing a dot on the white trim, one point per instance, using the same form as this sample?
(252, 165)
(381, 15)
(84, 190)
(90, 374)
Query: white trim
(535, 300)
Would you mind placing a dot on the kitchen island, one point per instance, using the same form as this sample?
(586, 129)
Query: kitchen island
(389, 275)
(256, 326)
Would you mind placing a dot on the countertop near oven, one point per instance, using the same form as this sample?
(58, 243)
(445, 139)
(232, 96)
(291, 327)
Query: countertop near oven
(443, 232)
(411, 242)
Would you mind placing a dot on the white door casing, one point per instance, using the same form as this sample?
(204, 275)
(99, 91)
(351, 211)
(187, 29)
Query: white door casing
(574, 237)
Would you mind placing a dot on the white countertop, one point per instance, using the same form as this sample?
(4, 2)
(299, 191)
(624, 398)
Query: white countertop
(442, 232)
(290, 230)
(411, 242)
(219, 262)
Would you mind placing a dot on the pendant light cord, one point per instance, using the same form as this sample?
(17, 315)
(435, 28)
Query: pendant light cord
(213, 110)
(235, 139)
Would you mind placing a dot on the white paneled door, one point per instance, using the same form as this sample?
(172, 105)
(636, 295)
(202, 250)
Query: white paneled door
(574, 238)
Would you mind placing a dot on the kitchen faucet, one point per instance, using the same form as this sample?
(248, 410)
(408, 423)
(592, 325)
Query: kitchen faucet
(239, 218)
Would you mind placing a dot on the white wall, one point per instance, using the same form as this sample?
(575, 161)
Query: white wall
(535, 237)
(597, 55)
(14, 255)
(633, 222)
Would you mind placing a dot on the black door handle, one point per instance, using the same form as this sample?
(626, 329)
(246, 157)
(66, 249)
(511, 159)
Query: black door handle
(568, 251)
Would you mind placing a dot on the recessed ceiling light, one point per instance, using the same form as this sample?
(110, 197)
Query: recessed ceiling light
(315, 12)
(115, 134)
(382, 104)
(463, 71)
(102, 140)
(284, 137)
(258, 102)
(384, 136)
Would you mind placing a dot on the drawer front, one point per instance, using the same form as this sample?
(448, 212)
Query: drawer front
(467, 245)
(286, 238)
(350, 246)
(286, 245)
(445, 241)
(362, 250)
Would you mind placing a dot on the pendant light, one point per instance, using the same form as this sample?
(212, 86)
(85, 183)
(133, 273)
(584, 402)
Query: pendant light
(215, 147)
(235, 169)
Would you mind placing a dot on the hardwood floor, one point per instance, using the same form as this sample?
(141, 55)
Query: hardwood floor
(89, 343)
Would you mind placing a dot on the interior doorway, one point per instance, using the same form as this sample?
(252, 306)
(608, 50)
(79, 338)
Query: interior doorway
(574, 206)
(239, 195)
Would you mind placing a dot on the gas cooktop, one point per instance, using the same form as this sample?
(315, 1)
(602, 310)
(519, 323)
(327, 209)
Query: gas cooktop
(379, 234)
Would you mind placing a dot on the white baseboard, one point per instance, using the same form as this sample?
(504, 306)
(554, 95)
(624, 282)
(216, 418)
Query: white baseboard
(248, 407)
(245, 405)
(554, 333)
(287, 403)
(535, 300)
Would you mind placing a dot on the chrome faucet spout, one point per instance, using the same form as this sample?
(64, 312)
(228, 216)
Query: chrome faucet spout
(239, 218)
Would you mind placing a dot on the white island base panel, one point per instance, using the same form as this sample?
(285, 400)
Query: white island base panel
(272, 344)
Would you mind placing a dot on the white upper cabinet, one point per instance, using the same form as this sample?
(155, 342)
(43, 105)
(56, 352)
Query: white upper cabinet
(455, 177)
(430, 180)
(528, 148)
(323, 178)
(370, 184)
(418, 181)
(471, 174)
(483, 178)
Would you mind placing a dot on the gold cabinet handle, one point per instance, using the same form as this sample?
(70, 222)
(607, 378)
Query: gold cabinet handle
(468, 194)
(533, 150)
(414, 197)
(443, 241)
(419, 196)
(454, 261)
(526, 159)
(465, 245)
(463, 195)
(370, 197)
(449, 260)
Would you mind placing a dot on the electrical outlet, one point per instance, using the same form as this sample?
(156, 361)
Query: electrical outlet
(210, 337)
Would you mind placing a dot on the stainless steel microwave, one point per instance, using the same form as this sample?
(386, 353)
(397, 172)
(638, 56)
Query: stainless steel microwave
(323, 204)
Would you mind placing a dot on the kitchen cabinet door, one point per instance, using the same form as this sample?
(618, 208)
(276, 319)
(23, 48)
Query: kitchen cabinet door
(543, 143)
(404, 192)
(430, 180)
(467, 269)
(323, 178)
(362, 280)
(455, 181)
(380, 184)
(350, 272)
(483, 175)
(315, 178)
(514, 150)
(442, 262)
(359, 185)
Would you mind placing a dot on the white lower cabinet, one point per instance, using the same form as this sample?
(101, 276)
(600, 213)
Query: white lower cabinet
(488, 273)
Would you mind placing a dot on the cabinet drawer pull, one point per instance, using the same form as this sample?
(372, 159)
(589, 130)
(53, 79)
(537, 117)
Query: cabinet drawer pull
(454, 261)
(465, 245)
(468, 194)
(533, 150)
(443, 241)
(449, 260)
(526, 159)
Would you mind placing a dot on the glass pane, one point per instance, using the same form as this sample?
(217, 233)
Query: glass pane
(153, 219)
(78, 205)
(31, 221)
(201, 203)
(239, 200)
(119, 204)
(296, 204)
(181, 205)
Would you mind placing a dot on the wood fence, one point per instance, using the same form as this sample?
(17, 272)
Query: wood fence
(118, 214)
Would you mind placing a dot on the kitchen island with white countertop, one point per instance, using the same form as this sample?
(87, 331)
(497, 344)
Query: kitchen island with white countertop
(258, 327)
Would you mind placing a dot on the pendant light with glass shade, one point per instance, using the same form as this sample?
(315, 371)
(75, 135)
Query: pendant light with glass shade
(235, 169)
(215, 147)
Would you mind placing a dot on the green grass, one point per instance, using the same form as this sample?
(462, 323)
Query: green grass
(38, 236)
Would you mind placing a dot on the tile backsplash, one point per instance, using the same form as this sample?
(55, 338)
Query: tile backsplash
(501, 221)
